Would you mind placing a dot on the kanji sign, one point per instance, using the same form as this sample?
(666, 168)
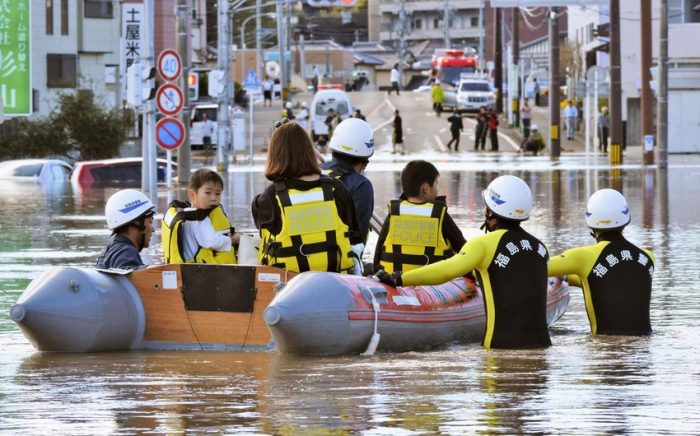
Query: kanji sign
(169, 65)
(169, 99)
(133, 35)
(170, 133)
(15, 68)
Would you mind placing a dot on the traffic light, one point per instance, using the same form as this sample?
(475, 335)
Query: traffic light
(138, 88)
(193, 86)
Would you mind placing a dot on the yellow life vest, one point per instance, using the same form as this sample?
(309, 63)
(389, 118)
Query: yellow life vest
(172, 234)
(415, 236)
(313, 237)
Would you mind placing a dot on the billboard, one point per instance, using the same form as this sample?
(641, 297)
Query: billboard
(15, 57)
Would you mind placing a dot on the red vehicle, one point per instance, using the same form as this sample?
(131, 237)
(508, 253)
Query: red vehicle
(449, 65)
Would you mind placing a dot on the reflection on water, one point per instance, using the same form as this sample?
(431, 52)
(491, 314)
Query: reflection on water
(581, 385)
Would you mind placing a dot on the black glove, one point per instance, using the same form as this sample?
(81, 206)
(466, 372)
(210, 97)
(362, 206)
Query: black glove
(393, 279)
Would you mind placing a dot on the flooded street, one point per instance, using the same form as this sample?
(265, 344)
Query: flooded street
(580, 386)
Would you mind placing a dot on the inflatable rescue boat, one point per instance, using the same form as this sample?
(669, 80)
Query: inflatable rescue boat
(168, 307)
(327, 314)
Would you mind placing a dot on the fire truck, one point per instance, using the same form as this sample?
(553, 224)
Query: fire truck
(450, 65)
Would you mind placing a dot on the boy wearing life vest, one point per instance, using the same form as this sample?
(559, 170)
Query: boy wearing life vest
(199, 231)
(418, 230)
(615, 274)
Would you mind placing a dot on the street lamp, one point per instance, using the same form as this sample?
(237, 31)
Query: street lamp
(243, 47)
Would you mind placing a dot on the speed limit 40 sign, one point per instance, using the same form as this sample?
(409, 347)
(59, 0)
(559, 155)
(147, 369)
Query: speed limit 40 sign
(169, 65)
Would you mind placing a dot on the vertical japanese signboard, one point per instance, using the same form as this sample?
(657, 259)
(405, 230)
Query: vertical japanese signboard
(15, 57)
(133, 36)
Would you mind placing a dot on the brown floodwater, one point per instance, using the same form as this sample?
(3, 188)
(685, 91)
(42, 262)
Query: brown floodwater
(580, 386)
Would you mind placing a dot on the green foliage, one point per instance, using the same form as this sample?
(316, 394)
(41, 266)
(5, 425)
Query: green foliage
(79, 129)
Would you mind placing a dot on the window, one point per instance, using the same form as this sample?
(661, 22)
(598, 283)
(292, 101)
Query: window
(64, 17)
(683, 12)
(475, 21)
(417, 24)
(61, 71)
(436, 23)
(98, 9)
(49, 17)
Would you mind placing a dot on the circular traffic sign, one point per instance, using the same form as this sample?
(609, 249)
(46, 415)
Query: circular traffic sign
(170, 133)
(169, 65)
(169, 99)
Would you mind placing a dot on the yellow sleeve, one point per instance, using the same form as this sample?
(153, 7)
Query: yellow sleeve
(469, 257)
(577, 261)
(653, 259)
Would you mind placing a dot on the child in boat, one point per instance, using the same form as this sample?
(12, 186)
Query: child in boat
(199, 231)
(615, 274)
(418, 230)
(510, 266)
(129, 216)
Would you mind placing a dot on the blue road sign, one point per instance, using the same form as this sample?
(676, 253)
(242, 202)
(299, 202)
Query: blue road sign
(170, 133)
(251, 80)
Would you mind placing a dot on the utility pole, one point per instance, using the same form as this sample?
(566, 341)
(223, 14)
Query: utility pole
(280, 44)
(515, 70)
(184, 153)
(223, 65)
(554, 115)
(150, 181)
(615, 86)
(302, 56)
(258, 40)
(288, 39)
(403, 30)
(662, 86)
(498, 58)
(647, 95)
(446, 25)
(482, 64)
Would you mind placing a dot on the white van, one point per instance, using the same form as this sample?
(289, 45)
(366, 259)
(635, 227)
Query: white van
(196, 122)
(323, 101)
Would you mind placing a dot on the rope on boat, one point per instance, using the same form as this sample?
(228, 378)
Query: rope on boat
(374, 342)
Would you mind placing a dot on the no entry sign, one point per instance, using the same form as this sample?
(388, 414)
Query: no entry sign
(170, 133)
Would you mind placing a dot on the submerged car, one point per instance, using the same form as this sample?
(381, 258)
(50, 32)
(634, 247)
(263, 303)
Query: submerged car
(115, 171)
(43, 170)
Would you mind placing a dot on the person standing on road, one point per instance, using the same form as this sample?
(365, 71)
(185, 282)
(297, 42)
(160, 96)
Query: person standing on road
(570, 115)
(303, 117)
(526, 117)
(267, 86)
(438, 95)
(493, 129)
(398, 133)
(207, 129)
(536, 89)
(395, 78)
(603, 129)
(482, 129)
(456, 127)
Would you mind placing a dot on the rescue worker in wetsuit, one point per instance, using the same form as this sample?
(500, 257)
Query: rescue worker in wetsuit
(199, 231)
(418, 230)
(510, 266)
(129, 216)
(306, 219)
(352, 144)
(615, 274)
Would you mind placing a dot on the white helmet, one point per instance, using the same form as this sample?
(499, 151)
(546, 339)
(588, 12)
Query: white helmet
(509, 197)
(126, 206)
(304, 104)
(534, 127)
(353, 137)
(288, 105)
(607, 209)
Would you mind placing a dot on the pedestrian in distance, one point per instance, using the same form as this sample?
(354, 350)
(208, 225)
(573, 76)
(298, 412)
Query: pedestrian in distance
(493, 129)
(267, 86)
(482, 128)
(198, 230)
(307, 219)
(129, 215)
(348, 85)
(329, 123)
(511, 269)
(207, 130)
(603, 130)
(303, 117)
(570, 115)
(615, 275)
(536, 89)
(352, 145)
(535, 143)
(358, 115)
(438, 95)
(287, 111)
(395, 78)
(397, 138)
(456, 128)
(433, 234)
(526, 117)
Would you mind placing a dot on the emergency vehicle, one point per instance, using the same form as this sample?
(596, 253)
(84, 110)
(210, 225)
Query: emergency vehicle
(449, 66)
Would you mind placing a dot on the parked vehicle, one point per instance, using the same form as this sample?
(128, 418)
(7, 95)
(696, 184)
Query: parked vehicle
(42, 170)
(197, 122)
(473, 94)
(115, 170)
(323, 101)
